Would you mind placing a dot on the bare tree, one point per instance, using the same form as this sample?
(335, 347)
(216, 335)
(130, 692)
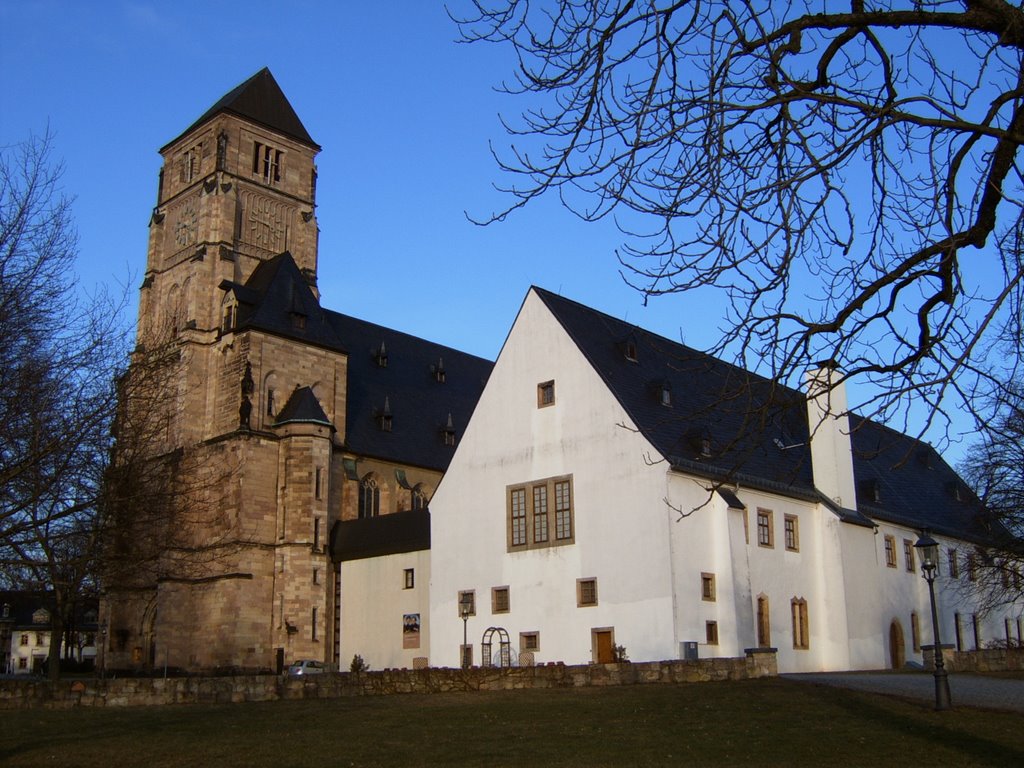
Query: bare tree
(848, 177)
(994, 467)
(59, 353)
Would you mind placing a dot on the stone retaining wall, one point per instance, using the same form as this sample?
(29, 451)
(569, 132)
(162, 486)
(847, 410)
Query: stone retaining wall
(985, 660)
(127, 692)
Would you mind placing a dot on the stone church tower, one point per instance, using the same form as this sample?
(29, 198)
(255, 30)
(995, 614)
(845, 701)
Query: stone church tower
(282, 418)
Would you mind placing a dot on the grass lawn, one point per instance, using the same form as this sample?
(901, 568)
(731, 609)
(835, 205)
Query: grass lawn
(760, 722)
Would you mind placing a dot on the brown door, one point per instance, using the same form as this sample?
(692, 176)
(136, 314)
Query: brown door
(603, 640)
(764, 623)
(896, 653)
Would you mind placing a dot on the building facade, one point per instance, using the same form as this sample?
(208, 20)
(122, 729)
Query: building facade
(611, 493)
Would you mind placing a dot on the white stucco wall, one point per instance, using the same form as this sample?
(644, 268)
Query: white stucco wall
(621, 522)
(374, 601)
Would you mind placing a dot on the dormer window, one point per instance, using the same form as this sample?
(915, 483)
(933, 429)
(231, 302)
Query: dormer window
(298, 321)
(705, 446)
(440, 376)
(230, 316)
(629, 350)
(955, 490)
(384, 417)
(665, 394)
(448, 433)
(872, 490)
(381, 356)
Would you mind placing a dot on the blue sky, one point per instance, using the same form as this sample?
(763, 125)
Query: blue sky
(405, 116)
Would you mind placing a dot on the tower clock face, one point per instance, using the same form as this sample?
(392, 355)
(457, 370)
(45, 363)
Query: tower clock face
(188, 223)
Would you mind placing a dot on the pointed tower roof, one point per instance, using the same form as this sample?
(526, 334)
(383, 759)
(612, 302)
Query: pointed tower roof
(303, 407)
(261, 100)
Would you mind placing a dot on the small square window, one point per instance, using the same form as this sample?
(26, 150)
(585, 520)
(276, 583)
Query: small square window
(529, 642)
(499, 600)
(467, 603)
(545, 394)
(409, 578)
(711, 632)
(792, 531)
(586, 592)
(707, 587)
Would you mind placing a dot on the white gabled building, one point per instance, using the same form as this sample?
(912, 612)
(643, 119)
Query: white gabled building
(610, 491)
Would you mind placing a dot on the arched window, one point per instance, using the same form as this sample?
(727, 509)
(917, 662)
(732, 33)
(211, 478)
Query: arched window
(764, 623)
(419, 498)
(369, 497)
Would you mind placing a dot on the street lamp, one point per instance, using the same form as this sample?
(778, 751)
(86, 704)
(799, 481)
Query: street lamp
(929, 553)
(465, 608)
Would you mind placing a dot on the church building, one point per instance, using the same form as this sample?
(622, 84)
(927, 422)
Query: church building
(302, 438)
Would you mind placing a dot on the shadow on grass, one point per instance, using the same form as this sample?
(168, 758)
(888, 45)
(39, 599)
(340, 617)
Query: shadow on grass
(917, 720)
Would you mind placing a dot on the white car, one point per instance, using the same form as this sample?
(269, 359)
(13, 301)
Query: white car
(307, 667)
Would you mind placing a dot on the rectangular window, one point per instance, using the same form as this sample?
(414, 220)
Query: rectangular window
(467, 655)
(545, 394)
(316, 575)
(316, 533)
(765, 532)
(908, 554)
(959, 633)
(972, 569)
(792, 531)
(711, 632)
(977, 632)
(499, 600)
(313, 621)
(529, 642)
(22, 663)
(954, 564)
(529, 514)
(890, 551)
(24, 639)
(1009, 633)
(467, 599)
(586, 592)
(409, 578)
(801, 638)
(319, 483)
(517, 515)
(707, 587)
(540, 514)
(563, 510)
(915, 631)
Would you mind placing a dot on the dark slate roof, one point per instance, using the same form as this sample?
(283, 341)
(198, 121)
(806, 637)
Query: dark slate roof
(419, 404)
(383, 535)
(261, 100)
(716, 401)
(277, 298)
(303, 407)
(277, 295)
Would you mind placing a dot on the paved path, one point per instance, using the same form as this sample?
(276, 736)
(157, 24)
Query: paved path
(970, 690)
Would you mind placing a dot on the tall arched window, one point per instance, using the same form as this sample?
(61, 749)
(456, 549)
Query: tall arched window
(419, 498)
(801, 636)
(369, 497)
(764, 623)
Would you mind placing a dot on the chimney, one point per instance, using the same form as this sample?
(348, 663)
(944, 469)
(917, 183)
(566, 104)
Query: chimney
(831, 453)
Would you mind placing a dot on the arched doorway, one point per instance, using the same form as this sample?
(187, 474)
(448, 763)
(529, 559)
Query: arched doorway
(897, 653)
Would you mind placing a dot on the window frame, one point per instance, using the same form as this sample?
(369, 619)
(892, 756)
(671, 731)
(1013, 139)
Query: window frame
(908, 556)
(524, 636)
(768, 540)
(890, 551)
(589, 582)
(801, 625)
(711, 632)
(495, 599)
(546, 394)
(409, 578)
(953, 559)
(708, 588)
(540, 514)
(791, 533)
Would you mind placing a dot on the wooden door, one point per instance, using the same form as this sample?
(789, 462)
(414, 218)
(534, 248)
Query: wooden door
(603, 643)
(897, 655)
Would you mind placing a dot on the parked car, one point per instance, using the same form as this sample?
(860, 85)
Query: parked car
(307, 667)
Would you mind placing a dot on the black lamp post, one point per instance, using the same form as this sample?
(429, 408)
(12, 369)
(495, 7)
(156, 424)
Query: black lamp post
(929, 552)
(465, 608)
